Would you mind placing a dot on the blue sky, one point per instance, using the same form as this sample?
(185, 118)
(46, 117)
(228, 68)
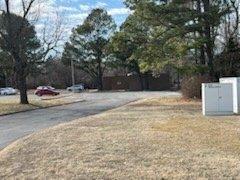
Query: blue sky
(73, 12)
(69, 12)
(78, 9)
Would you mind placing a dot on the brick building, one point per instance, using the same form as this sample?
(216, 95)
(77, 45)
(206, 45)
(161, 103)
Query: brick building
(137, 83)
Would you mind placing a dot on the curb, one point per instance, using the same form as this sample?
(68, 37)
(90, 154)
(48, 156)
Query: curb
(53, 98)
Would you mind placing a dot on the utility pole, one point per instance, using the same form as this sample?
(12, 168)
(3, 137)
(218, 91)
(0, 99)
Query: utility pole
(6, 79)
(73, 75)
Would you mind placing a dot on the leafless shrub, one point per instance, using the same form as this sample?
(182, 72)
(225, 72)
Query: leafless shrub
(191, 86)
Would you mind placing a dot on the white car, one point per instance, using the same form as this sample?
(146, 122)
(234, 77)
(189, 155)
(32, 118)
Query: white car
(8, 91)
(76, 88)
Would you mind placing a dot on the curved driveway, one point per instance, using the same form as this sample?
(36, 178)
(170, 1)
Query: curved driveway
(18, 125)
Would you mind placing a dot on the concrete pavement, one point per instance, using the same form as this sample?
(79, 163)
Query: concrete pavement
(18, 125)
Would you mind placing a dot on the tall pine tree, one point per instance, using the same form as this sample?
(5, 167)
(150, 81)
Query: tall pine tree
(88, 45)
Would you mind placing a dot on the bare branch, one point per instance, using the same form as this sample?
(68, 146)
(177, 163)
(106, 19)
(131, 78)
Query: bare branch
(26, 9)
(235, 6)
(52, 40)
(7, 6)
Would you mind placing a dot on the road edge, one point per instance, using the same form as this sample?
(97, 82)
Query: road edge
(38, 108)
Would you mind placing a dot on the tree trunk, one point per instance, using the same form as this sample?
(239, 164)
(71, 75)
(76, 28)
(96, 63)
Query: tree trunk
(141, 81)
(100, 76)
(202, 52)
(21, 80)
(208, 36)
(202, 56)
(100, 83)
(22, 84)
(140, 77)
(5, 79)
(210, 60)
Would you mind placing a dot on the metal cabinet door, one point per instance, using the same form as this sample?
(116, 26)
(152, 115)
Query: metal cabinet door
(237, 96)
(225, 100)
(212, 96)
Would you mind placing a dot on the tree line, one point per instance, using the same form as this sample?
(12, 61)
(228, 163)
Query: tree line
(192, 37)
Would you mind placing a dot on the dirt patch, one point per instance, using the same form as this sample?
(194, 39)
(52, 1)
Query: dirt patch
(150, 139)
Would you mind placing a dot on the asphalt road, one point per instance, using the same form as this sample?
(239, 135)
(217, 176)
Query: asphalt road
(18, 125)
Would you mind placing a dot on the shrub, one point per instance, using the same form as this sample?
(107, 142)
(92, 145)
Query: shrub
(191, 87)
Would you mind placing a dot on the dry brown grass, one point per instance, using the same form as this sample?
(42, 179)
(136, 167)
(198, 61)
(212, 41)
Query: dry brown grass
(11, 105)
(150, 139)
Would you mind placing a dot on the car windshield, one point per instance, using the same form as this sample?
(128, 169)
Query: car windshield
(44, 87)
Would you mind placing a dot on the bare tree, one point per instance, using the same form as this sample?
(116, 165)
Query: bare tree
(14, 33)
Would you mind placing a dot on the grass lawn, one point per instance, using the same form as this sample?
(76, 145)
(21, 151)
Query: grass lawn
(150, 139)
(11, 104)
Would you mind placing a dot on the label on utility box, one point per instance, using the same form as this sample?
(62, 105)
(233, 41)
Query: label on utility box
(213, 86)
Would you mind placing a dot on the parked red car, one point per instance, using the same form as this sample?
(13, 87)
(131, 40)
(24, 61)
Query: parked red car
(46, 91)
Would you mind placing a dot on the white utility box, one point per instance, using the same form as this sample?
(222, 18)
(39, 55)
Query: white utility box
(235, 81)
(217, 99)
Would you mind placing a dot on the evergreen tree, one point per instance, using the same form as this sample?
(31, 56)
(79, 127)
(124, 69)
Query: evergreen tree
(128, 43)
(195, 22)
(88, 45)
(18, 39)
